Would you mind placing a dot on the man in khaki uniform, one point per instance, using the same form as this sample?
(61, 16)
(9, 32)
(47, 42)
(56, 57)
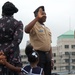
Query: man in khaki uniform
(40, 39)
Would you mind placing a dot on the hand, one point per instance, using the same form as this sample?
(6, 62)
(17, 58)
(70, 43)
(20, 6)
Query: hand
(52, 63)
(40, 13)
(2, 59)
(1, 53)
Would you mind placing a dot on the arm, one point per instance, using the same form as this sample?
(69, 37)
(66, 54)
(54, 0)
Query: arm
(8, 65)
(17, 38)
(43, 73)
(32, 23)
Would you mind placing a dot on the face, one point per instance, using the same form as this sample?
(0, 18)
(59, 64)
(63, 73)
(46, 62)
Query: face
(43, 19)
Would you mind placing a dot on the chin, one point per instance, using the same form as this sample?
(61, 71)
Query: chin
(44, 20)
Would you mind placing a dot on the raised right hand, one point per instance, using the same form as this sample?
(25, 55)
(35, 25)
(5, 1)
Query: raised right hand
(40, 13)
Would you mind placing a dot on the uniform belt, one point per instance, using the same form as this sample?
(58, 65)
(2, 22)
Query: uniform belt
(45, 52)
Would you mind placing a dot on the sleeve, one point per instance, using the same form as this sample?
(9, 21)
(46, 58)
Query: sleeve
(23, 71)
(50, 34)
(51, 37)
(26, 69)
(32, 31)
(17, 38)
(41, 72)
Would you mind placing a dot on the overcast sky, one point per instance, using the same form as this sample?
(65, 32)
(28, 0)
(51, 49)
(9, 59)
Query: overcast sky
(60, 15)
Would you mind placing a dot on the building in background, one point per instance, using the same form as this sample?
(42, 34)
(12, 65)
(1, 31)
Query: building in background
(23, 56)
(63, 52)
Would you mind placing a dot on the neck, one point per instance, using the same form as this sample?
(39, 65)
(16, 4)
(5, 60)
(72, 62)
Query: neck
(41, 23)
(33, 65)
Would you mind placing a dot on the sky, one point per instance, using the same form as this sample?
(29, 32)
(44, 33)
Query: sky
(60, 15)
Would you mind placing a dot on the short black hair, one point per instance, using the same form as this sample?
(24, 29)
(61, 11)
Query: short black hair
(33, 57)
(36, 11)
(31, 54)
(9, 9)
(28, 49)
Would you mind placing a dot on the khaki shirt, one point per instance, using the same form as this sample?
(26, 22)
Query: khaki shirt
(40, 37)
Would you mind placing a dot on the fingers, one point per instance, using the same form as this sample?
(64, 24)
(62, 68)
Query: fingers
(52, 63)
(41, 13)
(40, 10)
(2, 62)
(1, 53)
(2, 57)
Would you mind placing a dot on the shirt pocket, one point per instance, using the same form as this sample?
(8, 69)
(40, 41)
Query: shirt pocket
(41, 32)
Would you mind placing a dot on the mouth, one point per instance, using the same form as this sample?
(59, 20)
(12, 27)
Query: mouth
(44, 18)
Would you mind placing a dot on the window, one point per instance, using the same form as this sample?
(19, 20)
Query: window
(54, 67)
(73, 46)
(66, 53)
(73, 60)
(67, 60)
(25, 62)
(73, 67)
(54, 61)
(67, 67)
(73, 53)
(23, 56)
(54, 54)
(66, 46)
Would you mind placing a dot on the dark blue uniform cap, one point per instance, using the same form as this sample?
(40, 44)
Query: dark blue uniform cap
(36, 11)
